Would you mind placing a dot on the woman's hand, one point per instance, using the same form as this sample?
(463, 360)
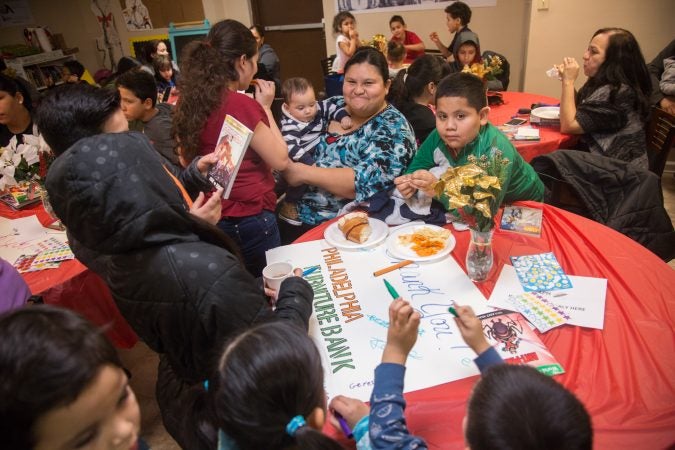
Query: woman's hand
(424, 181)
(404, 187)
(208, 210)
(569, 69)
(351, 409)
(434, 38)
(293, 174)
(264, 92)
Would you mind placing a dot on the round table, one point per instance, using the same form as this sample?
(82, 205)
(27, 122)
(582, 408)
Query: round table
(75, 287)
(551, 138)
(623, 373)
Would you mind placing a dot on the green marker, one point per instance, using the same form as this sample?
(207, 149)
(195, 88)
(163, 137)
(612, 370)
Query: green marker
(392, 291)
(453, 311)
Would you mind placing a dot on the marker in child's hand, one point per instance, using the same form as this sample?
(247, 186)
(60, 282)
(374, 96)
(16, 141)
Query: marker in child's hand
(343, 424)
(453, 311)
(392, 291)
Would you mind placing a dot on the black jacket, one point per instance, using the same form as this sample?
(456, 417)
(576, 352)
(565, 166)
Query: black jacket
(128, 221)
(614, 193)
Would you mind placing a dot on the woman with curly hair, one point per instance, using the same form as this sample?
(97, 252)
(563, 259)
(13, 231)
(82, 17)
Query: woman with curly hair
(610, 109)
(213, 71)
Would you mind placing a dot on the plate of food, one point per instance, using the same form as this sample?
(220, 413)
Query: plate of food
(421, 242)
(356, 230)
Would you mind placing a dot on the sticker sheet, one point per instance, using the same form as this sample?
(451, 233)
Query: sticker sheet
(538, 310)
(540, 272)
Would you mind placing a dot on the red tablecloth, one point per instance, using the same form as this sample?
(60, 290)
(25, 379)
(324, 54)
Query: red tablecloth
(624, 374)
(551, 138)
(73, 286)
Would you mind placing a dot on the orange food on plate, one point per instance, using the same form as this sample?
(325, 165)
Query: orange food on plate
(425, 241)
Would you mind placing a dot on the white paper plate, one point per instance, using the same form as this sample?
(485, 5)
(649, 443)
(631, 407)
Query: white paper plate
(334, 236)
(404, 252)
(547, 112)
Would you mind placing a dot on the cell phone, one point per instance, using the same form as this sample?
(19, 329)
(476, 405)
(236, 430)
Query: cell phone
(515, 122)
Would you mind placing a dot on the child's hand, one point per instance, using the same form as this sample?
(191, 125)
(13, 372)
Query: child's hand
(346, 123)
(424, 181)
(353, 34)
(434, 37)
(471, 329)
(402, 334)
(351, 409)
(403, 186)
(205, 163)
(208, 210)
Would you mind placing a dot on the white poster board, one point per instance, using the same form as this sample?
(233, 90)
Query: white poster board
(351, 315)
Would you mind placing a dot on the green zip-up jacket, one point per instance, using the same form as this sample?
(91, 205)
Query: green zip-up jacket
(521, 182)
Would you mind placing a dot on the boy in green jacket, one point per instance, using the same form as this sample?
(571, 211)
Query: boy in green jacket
(462, 129)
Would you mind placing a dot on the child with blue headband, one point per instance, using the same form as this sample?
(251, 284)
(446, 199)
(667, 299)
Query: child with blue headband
(268, 392)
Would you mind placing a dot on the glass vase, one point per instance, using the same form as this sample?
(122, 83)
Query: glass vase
(479, 255)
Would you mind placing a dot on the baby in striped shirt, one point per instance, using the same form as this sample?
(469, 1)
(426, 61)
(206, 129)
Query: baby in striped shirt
(303, 122)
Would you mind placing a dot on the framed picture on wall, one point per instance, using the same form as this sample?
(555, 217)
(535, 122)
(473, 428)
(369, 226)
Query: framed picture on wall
(368, 6)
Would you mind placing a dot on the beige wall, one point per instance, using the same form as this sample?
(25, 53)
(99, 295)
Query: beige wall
(531, 46)
(566, 28)
(489, 22)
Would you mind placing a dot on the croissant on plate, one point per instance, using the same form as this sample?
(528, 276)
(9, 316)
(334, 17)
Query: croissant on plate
(355, 227)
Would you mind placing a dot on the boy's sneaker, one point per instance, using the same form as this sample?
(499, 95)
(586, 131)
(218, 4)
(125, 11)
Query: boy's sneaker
(288, 212)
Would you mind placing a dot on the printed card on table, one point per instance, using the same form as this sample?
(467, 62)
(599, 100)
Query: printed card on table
(351, 315)
(538, 310)
(509, 333)
(540, 272)
(584, 303)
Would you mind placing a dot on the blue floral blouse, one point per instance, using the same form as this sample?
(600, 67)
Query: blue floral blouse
(379, 151)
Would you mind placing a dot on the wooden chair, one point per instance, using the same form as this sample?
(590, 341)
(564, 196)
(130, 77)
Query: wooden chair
(660, 139)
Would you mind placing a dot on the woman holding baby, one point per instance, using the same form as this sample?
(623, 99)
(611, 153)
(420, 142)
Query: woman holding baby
(353, 164)
(610, 109)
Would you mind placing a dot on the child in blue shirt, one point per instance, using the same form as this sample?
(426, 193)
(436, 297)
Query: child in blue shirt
(511, 407)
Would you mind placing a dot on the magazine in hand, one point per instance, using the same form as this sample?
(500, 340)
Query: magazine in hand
(510, 334)
(233, 140)
(522, 219)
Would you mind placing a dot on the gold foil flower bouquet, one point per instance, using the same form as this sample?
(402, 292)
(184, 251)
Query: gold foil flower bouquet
(473, 189)
(486, 70)
(379, 41)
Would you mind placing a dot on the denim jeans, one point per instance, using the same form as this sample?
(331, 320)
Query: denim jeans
(254, 235)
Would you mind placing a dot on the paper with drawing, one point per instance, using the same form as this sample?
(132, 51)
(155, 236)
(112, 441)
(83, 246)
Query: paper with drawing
(350, 319)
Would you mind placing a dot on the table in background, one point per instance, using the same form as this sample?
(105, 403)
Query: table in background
(551, 138)
(624, 373)
(75, 287)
